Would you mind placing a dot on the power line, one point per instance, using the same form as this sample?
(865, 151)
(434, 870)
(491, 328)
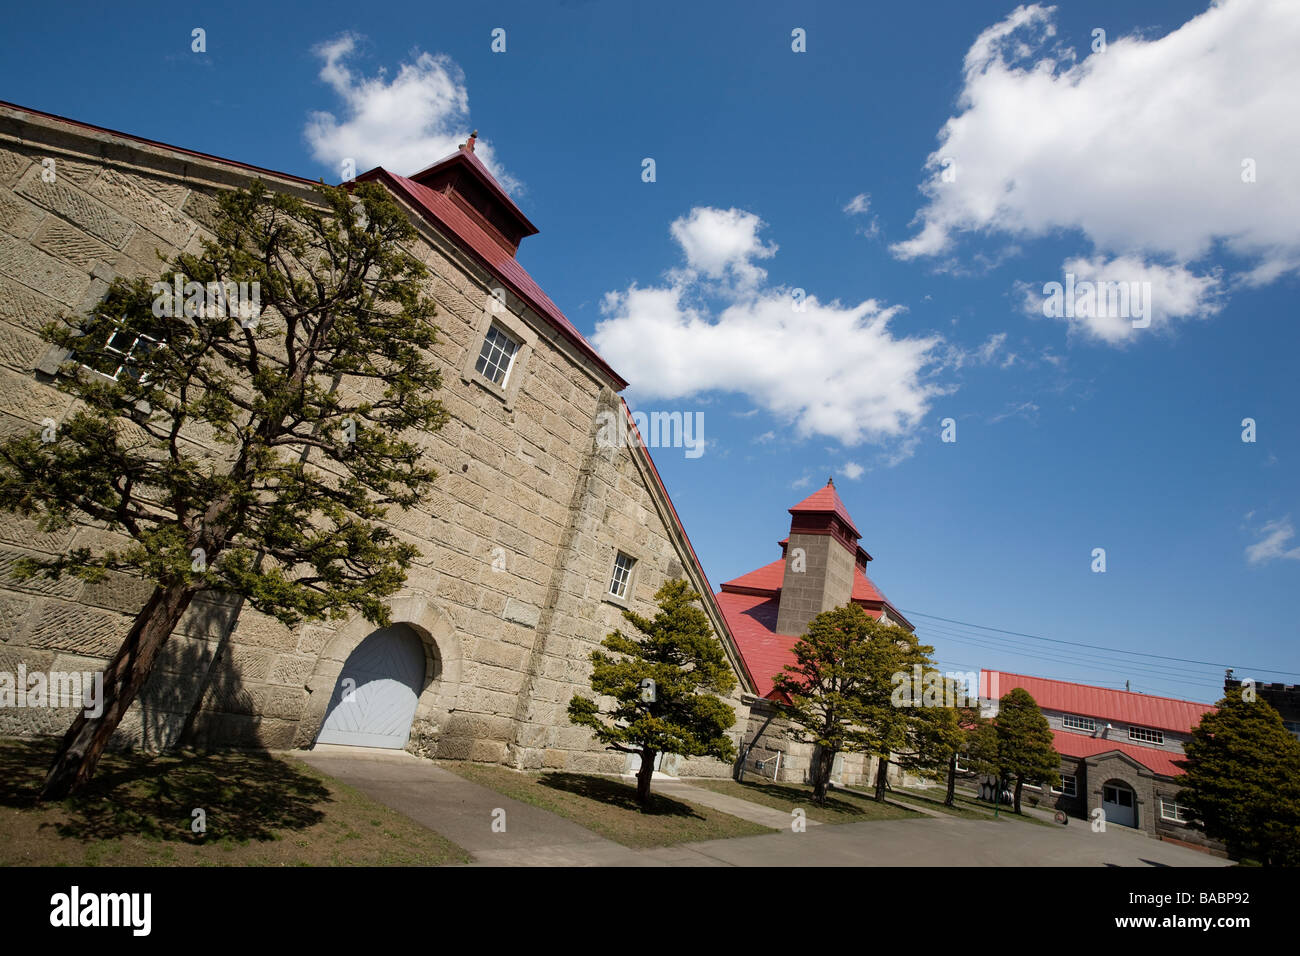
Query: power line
(1113, 650)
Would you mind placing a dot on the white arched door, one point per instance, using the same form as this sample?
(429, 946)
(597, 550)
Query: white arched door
(1120, 804)
(374, 699)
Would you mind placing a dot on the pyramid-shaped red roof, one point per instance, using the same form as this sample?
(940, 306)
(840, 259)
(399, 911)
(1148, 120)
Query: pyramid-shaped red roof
(826, 501)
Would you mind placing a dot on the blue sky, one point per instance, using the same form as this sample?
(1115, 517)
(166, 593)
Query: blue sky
(824, 171)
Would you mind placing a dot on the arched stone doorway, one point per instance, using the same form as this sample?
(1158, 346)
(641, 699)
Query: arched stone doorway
(436, 694)
(376, 694)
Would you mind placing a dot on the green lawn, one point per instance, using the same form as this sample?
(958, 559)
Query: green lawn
(260, 811)
(842, 806)
(980, 808)
(933, 800)
(607, 805)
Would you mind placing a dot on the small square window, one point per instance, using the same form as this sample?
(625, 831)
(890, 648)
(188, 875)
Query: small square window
(1173, 810)
(1068, 787)
(120, 352)
(622, 575)
(496, 356)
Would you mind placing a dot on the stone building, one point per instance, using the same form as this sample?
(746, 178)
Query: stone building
(822, 567)
(1118, 751)
(535, 540)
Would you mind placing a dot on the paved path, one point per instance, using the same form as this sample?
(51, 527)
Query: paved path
(462, 812)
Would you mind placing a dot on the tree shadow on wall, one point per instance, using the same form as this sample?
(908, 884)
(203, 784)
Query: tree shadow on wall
(617, 794)
(244, 796)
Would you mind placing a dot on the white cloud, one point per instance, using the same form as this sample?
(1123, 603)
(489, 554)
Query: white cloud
(1139, 147)
(1156, 295)
(404, 125)
(1274, 543)
(764, 438)
(720, 243)
(859, 204)
(852, 470)
(829, 369)
(989, 349)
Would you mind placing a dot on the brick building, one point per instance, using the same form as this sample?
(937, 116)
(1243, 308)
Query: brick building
(1117, 751)
(822, 566)
(535, 540)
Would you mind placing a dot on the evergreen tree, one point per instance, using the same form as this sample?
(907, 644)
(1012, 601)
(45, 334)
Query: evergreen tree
(978, 741)
(839, 688)
(665, 687)
(1025, 743)
(1242, 780)
(306, 401)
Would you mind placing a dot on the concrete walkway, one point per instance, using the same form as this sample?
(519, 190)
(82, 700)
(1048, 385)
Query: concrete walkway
(463, 812)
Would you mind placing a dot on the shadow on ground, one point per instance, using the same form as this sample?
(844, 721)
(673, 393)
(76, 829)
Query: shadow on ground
(615, 793)
(251, 794)
(802, 796)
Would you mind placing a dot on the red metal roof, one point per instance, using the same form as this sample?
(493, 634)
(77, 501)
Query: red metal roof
(825, 500)
(1069, 744)
(465, 157)
(448, 216)
(1162, 713)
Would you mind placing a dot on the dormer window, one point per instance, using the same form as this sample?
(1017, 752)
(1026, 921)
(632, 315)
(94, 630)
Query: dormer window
(496, 356)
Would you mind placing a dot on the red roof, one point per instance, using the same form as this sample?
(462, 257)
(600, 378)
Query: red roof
(826, 500)
(750, 603)
(1069, 744)
(447, 215)
(1163, 713)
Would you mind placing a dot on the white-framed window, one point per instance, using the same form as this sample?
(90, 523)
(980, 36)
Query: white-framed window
(622, 575)
(1069, 786)
(1173, 810)
(496, 355)
(123, 352)
(1075, 722)
(1146, 735)
(961, 766)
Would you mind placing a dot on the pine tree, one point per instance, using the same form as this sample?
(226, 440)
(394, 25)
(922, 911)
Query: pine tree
(1242, 780)
(1025, 743)
(839, 688)
(979, 744)
(665, 686)
(306, 404)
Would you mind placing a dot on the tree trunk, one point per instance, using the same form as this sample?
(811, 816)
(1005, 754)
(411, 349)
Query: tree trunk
(84, 743)
(1016, 796)
(643, 778)
(882, 771)
(952, 780)
(822, 773)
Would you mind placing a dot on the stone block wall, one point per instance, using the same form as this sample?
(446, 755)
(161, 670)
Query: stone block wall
(517, 539)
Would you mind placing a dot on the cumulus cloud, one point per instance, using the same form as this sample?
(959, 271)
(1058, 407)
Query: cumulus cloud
(402, 124)
(852, 470)
(1143, 147)
(1114, 300)
(1273, 545)
(829, 369)
(722, 244)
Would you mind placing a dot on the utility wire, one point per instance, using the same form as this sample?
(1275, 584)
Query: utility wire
(1113, 650)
